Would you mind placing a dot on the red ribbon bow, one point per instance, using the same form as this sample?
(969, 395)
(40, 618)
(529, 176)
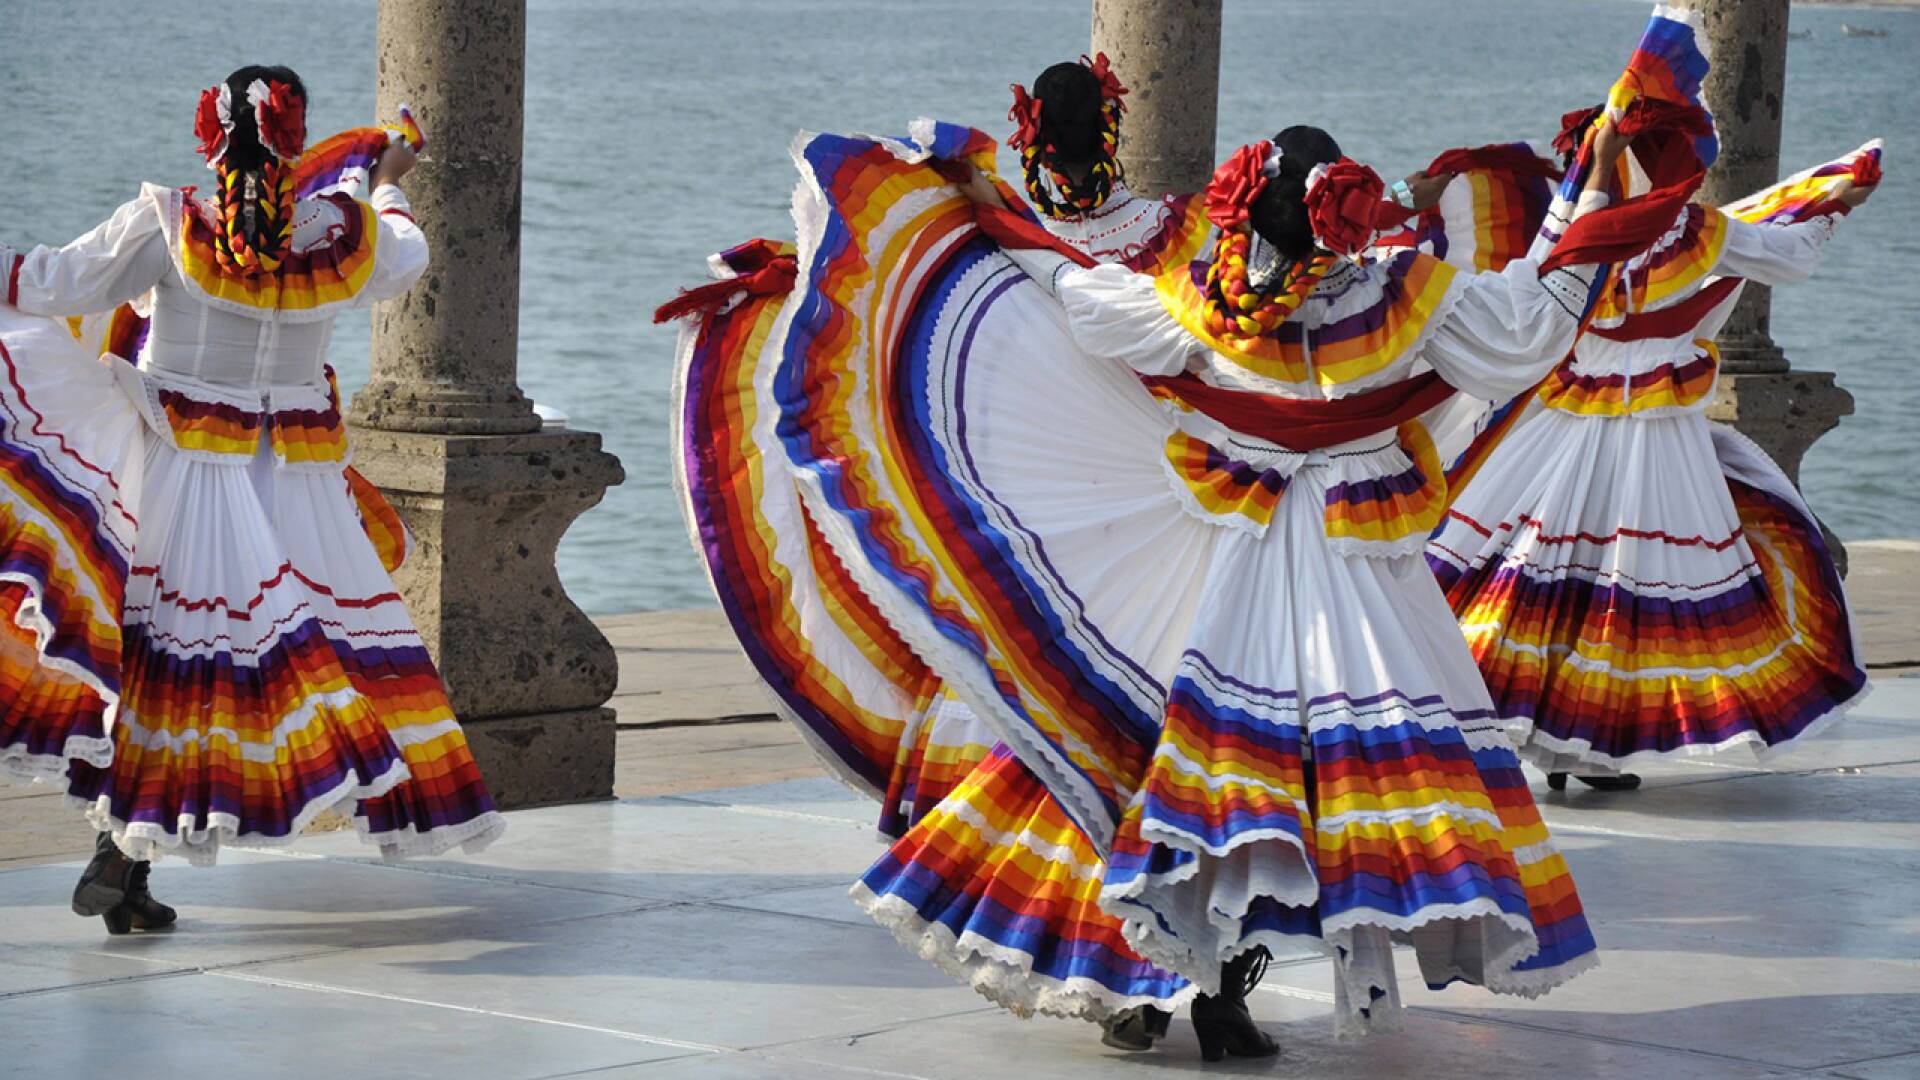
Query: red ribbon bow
(1341, 206)
(281, 118)
(207, 127)
(1110, 88)
(1025, 115)
(1236, 184)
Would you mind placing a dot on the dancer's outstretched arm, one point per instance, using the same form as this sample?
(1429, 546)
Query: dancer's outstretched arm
(118, 260)
(1510, 328)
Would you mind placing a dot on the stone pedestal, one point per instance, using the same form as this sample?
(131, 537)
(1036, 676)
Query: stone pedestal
(525, 668)
(1784, 412)
(1781, 408)
(444, 430)
(1167, 52)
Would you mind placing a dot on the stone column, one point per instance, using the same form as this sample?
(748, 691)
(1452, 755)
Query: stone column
(1167, 52)
(1782, 408)
(444, 430)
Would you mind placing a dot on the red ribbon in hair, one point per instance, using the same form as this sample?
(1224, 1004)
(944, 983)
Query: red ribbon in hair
(1343, 206)
(1025, 115)
(207, 127)
(1110, 88)
(281, 118)
(1236, 184)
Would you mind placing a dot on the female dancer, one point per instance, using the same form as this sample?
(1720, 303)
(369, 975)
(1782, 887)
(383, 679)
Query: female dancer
(1636, 582)
(1194, 608)
(200, 637)
(880, 719)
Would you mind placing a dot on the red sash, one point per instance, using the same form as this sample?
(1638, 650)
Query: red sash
(1680, 320)
(1303, 425)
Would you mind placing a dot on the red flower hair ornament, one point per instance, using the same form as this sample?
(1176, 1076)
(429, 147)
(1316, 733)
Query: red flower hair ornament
(212, 121)
(1238, 182)
(280, 116)
(1341, 202)
(1110, 87)
(1025, 115)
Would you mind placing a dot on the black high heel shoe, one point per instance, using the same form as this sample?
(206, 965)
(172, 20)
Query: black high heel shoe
(1136, 1029)
(103, 884)
(1223, 1022)
(140, 911)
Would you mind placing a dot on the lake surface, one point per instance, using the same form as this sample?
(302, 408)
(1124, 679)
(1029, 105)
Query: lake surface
(658, 131)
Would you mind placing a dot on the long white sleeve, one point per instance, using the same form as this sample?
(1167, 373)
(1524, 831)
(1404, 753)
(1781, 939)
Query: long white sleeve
(1508, 329)
(401, 255)
(1774, 254)
(116, 261)
(1113, 313)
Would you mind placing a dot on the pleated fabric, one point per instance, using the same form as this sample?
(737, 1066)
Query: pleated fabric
(1267, 731)
(203, 641)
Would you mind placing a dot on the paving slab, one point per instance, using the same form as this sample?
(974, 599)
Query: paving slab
(254, 907)
(197, 1026)
(28, 968)
(1431, 1047)
(1904, 1067)
(736, 1066)
(705, 976)
(657, 849)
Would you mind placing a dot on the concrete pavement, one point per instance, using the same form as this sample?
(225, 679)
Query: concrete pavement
(1754, 923)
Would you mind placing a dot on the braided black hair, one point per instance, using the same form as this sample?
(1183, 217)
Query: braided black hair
(1070, 121)
(1070, 167)
(256, 204)
(1279, 215)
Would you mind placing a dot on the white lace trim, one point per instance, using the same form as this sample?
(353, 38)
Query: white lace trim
(1002, 975)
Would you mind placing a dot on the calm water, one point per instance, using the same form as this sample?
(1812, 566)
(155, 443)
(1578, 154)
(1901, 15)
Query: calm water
(657, 132)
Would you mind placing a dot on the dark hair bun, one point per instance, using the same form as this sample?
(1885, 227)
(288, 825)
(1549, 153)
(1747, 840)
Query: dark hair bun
(244, 151)
(1070, 121)
(1279, 215)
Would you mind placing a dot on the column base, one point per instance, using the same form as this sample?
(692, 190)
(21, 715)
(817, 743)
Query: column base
(441, 409)
(1786, 413)
(545, 759)
(487, 513)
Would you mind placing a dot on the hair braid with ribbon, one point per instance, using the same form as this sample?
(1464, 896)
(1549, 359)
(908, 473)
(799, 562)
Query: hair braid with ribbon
(1297, 207)
(252, 151)
(1070, 123)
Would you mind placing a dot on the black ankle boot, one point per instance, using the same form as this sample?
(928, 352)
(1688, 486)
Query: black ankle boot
(1223, 1021)
(103, 884)
(1136, 1029)
(140, 911)
(1617, 782)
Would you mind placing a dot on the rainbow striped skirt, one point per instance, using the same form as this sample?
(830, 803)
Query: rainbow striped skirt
(198, 635)
(1637, 582)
